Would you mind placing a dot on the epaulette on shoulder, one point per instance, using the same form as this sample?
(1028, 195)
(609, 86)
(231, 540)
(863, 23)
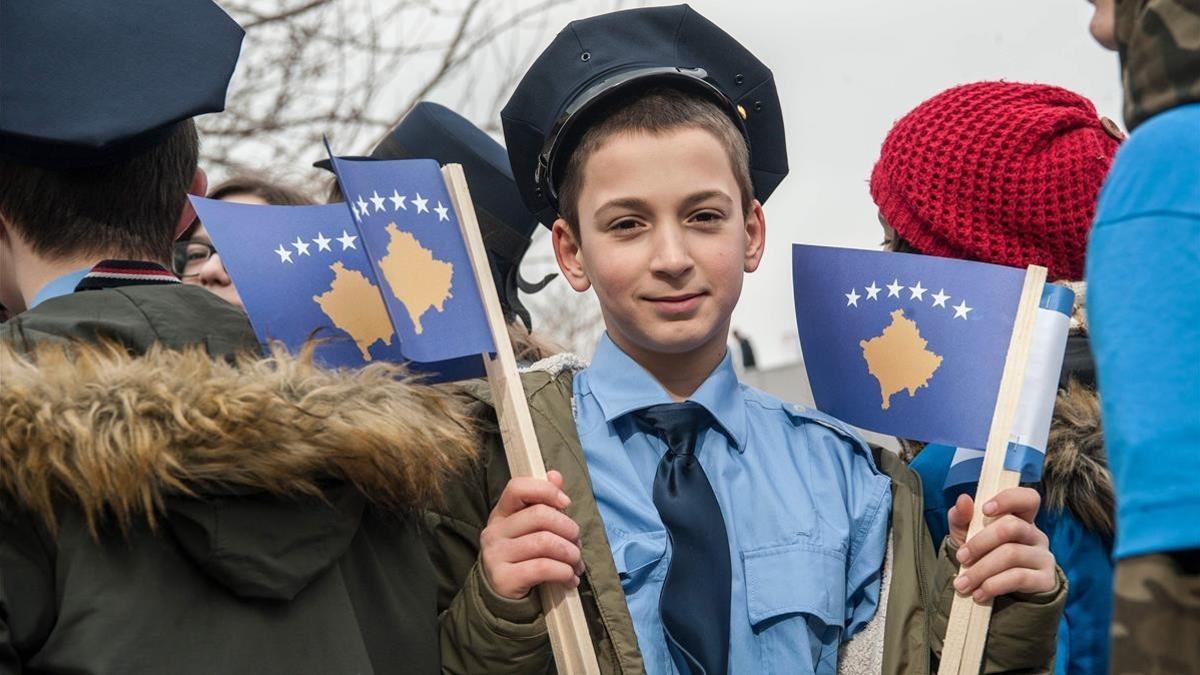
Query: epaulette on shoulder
(800, 414)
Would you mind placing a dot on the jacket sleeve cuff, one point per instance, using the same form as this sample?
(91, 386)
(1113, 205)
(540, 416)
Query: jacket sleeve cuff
(511, 618)
(1049, 597)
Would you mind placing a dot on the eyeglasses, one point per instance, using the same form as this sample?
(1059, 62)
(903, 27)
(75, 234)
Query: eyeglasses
(190, 256)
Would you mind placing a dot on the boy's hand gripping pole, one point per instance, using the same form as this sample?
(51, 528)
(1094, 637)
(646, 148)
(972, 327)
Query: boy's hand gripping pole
(966, 633)
(565, 622)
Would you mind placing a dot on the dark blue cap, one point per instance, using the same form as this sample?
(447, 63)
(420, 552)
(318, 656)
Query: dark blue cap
(593, 59)
(90, 82)
(433, 131)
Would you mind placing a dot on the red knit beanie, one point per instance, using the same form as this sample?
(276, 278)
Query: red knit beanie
(999, 172)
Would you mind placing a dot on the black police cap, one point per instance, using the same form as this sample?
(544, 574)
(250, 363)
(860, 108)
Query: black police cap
(90, 82)
(433, 131)
(592, 59)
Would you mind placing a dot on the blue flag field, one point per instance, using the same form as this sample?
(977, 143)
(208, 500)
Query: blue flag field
(907, 345)
(915, 347)
(377, 278)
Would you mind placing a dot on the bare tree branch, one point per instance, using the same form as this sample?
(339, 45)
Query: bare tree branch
(262, 20)
(449, 58)
(352, 68)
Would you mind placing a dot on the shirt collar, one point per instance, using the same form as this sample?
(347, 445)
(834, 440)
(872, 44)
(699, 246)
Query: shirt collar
(63, 285)
(620, 386)
(119, 273)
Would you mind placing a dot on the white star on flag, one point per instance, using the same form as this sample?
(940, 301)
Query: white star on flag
(377, 200)
(441, 211)
(347, 240)
(322, 242)
(940, 298)
(852, 297)
(873, 291)
(398, 201)
(894, 289)
(301, 246)
(961, 309)
(357, 215)
(918, 293)
(284, 254)
(420, 202)
(362, 206)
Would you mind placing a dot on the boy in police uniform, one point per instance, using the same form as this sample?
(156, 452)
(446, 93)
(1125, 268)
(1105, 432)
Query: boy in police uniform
(162, 511)
(709, 527)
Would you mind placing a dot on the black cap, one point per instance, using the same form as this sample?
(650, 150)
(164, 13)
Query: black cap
(592, 59)
(90, 82)
(433, 131)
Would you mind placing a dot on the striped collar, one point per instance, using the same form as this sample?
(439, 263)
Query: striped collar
(115, 273)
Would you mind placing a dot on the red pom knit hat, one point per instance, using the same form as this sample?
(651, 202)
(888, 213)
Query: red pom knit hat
(1000, 172)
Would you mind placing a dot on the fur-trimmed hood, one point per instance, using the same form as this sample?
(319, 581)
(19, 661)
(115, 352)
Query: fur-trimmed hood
(114, 434)
(1075, 475)
(277, 447)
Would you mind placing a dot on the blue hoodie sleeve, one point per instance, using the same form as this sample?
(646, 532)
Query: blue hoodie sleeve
(1143, 273)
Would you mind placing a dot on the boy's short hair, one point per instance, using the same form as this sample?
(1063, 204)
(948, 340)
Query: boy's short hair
(654, 111)
(128, 208)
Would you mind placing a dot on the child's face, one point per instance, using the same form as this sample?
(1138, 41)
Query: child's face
(663, 240)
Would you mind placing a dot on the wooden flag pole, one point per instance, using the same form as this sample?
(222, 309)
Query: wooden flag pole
(962, 650)
(565, 622)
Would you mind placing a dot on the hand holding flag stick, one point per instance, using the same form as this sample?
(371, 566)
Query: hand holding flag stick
(565, 621)
(966, 634)
(974, 365)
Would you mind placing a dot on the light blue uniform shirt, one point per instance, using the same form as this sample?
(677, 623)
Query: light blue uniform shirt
(804, 506)
(63, 285)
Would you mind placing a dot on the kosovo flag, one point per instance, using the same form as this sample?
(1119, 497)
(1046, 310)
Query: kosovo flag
(306, 272)
(915, 346)
(415, 244)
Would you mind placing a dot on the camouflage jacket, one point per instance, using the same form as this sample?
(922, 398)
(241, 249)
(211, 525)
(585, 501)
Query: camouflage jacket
(1159, 43)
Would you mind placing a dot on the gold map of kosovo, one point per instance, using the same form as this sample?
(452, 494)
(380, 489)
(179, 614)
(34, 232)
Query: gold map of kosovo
(353, 304)
(418, 280)
(898, 358)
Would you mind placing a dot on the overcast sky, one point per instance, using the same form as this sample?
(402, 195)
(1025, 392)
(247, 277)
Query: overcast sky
(846, 70)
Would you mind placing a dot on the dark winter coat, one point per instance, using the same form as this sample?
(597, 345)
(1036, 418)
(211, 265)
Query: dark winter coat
(164, 511)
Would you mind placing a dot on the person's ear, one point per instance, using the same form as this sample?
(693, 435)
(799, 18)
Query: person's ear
(187, 216)
(756, 236)
(10, 296)
(569, 255)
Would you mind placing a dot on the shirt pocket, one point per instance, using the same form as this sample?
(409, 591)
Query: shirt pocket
(796, 601)
(638, 557)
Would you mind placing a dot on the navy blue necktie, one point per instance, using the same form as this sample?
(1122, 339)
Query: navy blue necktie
(695, 597)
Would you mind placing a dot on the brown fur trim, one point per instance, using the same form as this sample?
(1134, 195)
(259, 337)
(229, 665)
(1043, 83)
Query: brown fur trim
(909, 449)
(1076, 476)
(114, 434)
